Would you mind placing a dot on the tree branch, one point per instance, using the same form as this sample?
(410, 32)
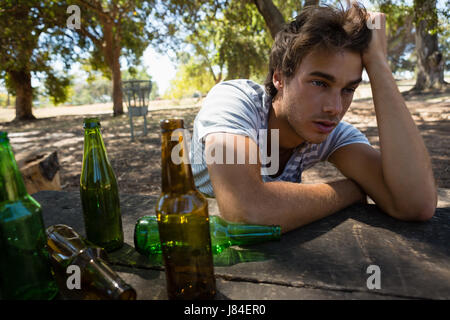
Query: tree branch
(97, 7)
(86, 33)
(272, 16)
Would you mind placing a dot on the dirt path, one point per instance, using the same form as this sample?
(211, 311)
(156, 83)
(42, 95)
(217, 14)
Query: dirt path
(137, 163)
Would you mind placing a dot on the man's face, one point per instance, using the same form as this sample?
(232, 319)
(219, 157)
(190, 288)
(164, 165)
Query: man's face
(312, 103)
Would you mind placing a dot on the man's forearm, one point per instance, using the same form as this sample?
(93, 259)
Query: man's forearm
(292, 205)
(405, 160)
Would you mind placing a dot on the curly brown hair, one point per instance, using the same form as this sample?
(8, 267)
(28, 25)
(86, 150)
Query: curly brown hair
(324, 27)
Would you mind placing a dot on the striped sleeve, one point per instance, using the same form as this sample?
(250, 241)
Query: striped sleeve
(229, 108)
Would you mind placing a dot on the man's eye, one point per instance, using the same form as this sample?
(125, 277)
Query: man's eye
(319, 83)
(349, 90)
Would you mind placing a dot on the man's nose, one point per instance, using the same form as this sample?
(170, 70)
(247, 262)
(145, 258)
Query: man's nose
(333, 105)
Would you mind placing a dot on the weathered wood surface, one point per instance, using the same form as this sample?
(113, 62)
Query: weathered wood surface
(327, 259)
(40, 170)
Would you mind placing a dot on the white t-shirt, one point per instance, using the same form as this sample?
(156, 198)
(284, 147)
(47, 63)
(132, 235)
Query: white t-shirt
(242, 107)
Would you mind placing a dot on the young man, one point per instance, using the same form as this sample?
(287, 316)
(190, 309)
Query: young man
(316, 63)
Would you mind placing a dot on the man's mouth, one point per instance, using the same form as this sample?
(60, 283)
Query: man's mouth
(325, 126)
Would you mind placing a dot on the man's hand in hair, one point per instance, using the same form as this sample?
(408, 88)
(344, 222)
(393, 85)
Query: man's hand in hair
(377, 50)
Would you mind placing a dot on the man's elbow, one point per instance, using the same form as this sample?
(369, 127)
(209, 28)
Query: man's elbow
(420, 211)
(233, 215)
(235, 211)
(428, 210)
(423, 214)
(244, 207)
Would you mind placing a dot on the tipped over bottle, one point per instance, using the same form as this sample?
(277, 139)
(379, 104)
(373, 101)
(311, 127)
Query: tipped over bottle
(97, 281)
(223, 234)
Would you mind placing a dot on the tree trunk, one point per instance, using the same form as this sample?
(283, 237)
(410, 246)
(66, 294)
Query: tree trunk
(111, 50)
(117, 84)
(21, 80)
(272, 16)
(430, 61)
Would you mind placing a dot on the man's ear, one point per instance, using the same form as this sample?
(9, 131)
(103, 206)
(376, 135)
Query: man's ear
(277, 80)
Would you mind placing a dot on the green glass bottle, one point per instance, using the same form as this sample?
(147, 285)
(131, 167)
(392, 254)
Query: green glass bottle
(183, 222)
(25, 271)
(223, 234)
(99, 191)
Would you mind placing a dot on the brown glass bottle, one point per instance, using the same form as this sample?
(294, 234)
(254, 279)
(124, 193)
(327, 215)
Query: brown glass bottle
(183, 222)
(98, 280)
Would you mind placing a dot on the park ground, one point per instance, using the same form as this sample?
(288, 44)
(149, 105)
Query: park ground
(137, 163)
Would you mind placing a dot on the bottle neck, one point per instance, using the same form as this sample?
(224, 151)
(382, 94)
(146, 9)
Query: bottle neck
(12, 186)
(239, 233)
(250, 233)
(176, 172)
(95, 161)
(93, 142)
(63, 244)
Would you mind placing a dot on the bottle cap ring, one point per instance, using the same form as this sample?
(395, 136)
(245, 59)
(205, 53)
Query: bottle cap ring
(89, 123)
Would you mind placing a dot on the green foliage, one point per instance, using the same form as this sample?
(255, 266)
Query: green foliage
(444, 41)
(242, 41)
(95, 89)
(402, 17)
(444, 32)
(136, 72)
(57, 88)
(32, 37)
(4, 100)
(229, 40)
(400, 33)
(192, 78)
(121, 24)
(427, 12)
(289, 8)
(215, 40)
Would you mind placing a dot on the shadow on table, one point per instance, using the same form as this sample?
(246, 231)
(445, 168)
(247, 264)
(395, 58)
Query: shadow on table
(336, 251)
(128, 256)
(232, 256)
(435, 232)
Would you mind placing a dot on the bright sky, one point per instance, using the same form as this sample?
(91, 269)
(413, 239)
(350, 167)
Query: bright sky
(160, 67)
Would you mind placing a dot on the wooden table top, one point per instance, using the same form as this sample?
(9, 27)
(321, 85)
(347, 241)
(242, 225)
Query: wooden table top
(357, 253)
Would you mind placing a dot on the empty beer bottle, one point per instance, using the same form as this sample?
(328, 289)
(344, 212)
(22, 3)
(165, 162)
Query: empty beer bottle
(99, 192)
(25, 271)
(97, 281)
(182, 215)
(223, 234)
